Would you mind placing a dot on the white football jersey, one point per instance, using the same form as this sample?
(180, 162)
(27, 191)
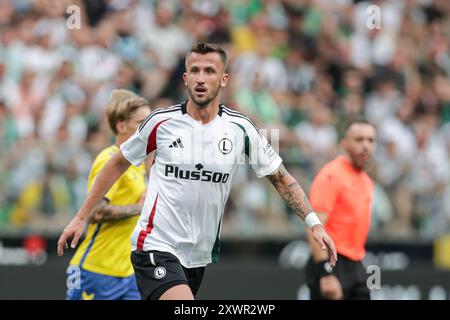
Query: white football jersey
(191, 177)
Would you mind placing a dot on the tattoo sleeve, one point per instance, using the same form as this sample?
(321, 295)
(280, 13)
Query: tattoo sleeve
(291, 192)
(107, 213)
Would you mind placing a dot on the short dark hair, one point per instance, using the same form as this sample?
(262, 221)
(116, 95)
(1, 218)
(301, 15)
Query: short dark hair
(204, 48)
(358, 120)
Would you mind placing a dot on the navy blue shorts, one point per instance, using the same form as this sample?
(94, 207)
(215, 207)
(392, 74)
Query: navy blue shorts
(86, 285)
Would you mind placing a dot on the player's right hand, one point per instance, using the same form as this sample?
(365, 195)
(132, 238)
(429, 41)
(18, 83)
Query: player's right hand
(325, 242)
(330, 287)
(73, 230)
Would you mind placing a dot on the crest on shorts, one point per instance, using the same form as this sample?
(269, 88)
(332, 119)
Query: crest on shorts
(160, 272)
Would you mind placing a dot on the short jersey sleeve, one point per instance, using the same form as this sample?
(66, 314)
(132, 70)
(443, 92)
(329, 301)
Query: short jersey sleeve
(134, 149)
(262, 157)
(143, 141)
(324, 192)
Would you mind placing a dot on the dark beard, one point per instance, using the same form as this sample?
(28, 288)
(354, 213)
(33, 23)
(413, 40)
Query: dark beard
(201, 104)
(204, 103)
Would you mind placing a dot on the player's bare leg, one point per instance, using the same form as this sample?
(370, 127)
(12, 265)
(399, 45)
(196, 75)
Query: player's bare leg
(179, 292)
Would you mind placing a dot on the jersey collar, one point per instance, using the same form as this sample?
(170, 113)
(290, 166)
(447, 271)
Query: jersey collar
(184, 108)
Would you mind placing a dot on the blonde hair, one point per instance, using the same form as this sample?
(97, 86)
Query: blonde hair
(122, 105)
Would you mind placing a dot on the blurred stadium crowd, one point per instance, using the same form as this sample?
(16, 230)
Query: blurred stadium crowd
(303, 67)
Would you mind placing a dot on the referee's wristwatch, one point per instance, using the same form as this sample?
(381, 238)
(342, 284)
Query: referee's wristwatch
(324, 268)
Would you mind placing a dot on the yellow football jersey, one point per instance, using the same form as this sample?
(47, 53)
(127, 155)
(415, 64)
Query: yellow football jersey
(106, 248)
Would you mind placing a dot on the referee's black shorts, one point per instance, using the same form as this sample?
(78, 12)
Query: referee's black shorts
(351, 274)
(157, 271)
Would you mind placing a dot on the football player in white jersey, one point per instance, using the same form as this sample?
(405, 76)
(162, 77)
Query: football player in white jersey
(197, 147)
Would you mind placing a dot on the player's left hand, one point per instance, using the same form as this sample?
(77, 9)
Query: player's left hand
(325, 242)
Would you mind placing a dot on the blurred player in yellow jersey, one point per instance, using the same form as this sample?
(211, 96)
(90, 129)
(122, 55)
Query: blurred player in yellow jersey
(101, 267)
